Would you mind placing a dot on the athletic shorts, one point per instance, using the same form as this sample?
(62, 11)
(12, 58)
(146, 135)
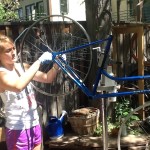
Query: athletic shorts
(23, 139)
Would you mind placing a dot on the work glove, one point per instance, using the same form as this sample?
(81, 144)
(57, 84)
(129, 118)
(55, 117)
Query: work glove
(45, 58)
(64, 57)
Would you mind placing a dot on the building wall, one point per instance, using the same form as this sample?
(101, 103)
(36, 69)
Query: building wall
(76, 8)
(127, 10)
(28, 2)
(24, 3)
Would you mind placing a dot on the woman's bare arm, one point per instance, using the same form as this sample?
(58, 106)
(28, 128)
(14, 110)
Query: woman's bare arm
(48, 77)
(17, 84)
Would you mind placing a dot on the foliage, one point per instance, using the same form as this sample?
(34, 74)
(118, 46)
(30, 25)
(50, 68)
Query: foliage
(122, 109)
(98, 131)
(8, 10)
(111, 127)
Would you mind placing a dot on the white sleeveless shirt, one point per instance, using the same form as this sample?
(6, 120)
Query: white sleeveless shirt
(20, 108)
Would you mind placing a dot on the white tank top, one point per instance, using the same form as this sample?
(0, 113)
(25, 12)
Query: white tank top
(20, 108)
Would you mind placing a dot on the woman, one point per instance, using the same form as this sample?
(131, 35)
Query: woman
(23, 131)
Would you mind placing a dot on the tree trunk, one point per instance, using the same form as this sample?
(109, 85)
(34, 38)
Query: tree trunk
(98, 19)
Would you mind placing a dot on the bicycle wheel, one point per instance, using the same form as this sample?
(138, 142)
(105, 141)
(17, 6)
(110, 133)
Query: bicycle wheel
(57, 33)
(139, 128)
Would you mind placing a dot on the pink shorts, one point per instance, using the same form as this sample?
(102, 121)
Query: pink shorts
(23, 139)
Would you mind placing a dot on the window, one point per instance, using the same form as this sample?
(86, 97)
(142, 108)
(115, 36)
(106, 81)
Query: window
(30, 12)
(39, 9)
(20, 13)
(64, 6)
(132, 7)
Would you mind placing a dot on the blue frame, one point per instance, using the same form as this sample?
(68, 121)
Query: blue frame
(101, 71)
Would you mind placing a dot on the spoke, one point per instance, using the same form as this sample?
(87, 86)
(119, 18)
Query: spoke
(57, 36)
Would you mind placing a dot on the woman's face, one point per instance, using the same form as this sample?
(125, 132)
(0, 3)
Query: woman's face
(8, 55)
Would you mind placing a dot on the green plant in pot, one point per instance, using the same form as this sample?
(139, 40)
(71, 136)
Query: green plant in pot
(122, 109)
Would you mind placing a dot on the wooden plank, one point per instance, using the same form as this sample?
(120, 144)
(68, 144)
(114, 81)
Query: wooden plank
(3, 146)
(2, 134)
(137, 148)
(140, 39)
(124, 29)
(114, 52)
(73, 142)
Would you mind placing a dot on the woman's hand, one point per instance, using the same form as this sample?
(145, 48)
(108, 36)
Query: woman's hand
(45, 58)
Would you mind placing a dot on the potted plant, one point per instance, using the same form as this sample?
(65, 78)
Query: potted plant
(122, 109)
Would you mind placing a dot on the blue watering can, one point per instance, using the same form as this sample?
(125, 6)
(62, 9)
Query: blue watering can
(54, 127)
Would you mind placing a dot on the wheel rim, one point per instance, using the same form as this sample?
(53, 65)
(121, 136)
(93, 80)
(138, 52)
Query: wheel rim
(71, 34)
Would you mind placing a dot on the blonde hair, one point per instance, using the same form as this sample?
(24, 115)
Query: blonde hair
(4, 39)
